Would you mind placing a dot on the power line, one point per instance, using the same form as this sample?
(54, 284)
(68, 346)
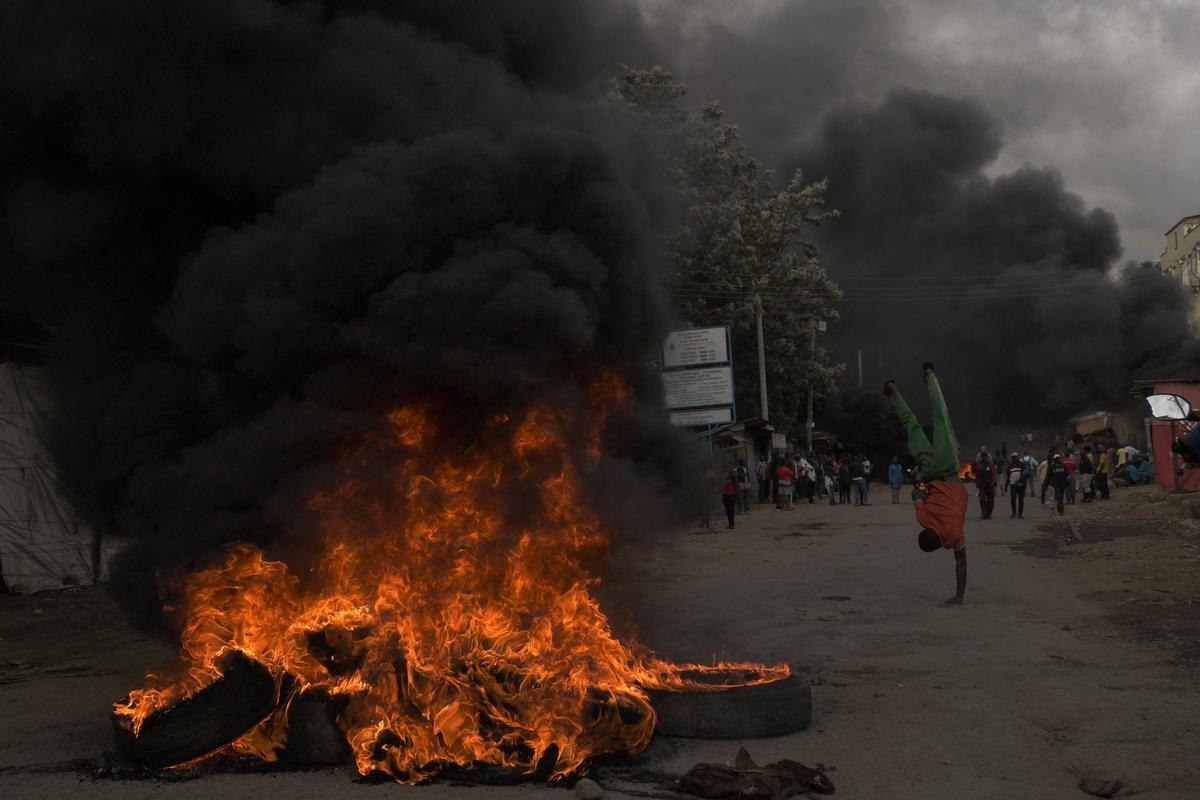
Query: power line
(974, 286)
(876, 294)
(997, 280)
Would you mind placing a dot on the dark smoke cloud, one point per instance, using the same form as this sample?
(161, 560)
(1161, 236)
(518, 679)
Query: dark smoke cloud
(1092, 87)
(865, 423)
(1034, 328)
(777, 68)
(925, 181)
(266, 223)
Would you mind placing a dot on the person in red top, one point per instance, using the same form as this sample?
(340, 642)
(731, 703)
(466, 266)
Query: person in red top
(729, 496)
(939, 499)
(786, 475)
(1069, 462)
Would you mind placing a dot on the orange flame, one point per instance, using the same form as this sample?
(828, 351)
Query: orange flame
(453, 613)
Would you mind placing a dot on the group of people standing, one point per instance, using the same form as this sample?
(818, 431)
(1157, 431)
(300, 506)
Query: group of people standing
(788, 478)
(1088, 474)
(791, 477)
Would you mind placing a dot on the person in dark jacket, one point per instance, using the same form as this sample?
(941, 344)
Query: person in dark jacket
(844, 482)
(764, 482)
(1087, 472)
(819, 470)
(773, 476)
(985, 482)
(1016, 478)
(1056, 476)
(859, 480)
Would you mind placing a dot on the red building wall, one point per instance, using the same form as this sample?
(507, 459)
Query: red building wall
(1162, 434)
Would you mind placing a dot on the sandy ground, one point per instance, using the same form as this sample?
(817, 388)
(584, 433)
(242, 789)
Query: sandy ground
(1070, 658)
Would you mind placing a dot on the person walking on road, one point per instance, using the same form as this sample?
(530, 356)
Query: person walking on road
(809, 477)
(1031, 464)
(1102, 472)
(1069, 462)
(1087, 474)
(743, 487)
(866, 464)
(764, 483)
(1056, 476)
(895, 479)
(856, 477)
(999, 463)
(844, 482)
(985, 483)
(773, 476)
(1017, 477)
(729, 496)
(939, 499)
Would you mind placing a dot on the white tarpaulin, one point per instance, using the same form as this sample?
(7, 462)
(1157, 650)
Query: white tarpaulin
(43, 545)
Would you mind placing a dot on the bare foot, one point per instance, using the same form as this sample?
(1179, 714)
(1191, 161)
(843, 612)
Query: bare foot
(953, 601)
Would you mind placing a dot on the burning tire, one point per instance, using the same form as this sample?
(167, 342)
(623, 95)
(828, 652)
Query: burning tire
(738, 712)
(242, 697)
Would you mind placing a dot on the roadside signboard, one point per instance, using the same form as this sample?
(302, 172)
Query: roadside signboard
(696, 347)
(696, 388)
(710, 416)
(697, 373)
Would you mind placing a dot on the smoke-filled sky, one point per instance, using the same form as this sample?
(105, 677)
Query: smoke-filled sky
(993, 163)
(1104, 90)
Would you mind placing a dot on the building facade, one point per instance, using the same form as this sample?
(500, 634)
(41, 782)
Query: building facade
(1181, 252)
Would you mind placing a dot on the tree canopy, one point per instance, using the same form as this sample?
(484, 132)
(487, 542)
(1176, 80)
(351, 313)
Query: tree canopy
(739, 245)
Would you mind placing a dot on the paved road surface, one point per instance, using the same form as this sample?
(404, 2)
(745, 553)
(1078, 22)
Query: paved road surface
(1017, 694)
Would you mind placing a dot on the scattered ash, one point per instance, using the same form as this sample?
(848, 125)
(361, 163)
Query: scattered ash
(645, 768)
(1172, 626)
(1052, 540)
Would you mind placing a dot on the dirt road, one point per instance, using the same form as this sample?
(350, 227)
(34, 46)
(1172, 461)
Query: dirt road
(1068, 659)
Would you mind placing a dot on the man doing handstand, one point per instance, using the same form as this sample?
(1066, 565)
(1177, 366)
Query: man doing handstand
(939, 498)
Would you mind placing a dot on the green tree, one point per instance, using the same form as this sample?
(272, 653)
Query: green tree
(739, 245)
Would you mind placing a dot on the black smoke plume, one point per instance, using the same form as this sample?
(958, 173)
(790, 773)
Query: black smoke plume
(263, 224)
(1008, 283)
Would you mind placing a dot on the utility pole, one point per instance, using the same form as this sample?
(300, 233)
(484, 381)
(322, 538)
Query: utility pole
(860, 369)
(762, 360)
(815, 325)
(812, 354)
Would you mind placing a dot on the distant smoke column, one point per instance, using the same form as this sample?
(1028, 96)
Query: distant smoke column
(1003, 282)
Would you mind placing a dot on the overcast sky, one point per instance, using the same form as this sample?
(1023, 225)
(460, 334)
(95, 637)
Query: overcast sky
(1106, 91)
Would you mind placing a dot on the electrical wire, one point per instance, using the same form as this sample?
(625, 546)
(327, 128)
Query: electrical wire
(903, 289)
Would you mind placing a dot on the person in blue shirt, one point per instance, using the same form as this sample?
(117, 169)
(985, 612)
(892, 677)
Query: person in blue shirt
(895, 479)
